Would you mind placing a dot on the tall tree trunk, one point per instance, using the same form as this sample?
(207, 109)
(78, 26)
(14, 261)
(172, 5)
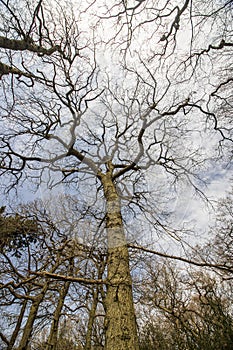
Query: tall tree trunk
(120, 321)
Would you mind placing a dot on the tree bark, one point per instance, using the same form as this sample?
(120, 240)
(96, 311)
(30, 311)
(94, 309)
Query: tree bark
(22, 45)
(23, 345)
(53, 336)
(18, 325)
(91, 319)
(120, 321)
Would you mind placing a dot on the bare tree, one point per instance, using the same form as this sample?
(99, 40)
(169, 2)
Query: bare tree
(47, 281)
(218, 249)
(116, 102)
(184, 309)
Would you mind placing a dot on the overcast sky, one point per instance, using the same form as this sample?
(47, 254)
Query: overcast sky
(174, 82)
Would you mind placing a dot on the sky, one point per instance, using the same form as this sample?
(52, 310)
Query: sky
(169, 80)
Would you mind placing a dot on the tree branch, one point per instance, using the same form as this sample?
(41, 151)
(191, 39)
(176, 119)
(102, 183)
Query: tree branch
(179, 258)
(22, 45)
(68, 278)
